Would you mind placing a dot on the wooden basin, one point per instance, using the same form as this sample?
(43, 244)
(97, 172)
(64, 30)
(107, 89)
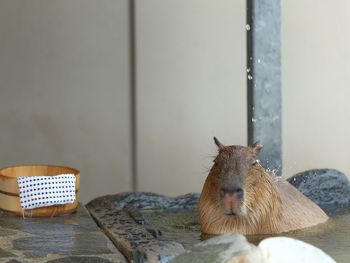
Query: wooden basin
(9, 192)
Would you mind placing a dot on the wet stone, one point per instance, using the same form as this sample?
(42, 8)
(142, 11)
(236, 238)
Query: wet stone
(329, 188)
(5, 254)
(220, 249)
(63, 244)
(80, 260)
(77, 221)
(13, 261)
(6, 232)
(148, 227)
(144, 200)
(41, 239)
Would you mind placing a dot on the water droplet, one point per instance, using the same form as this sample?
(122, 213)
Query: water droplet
(253, 120)
(248, 70)
(259, 61)
(250, 77)
(272, 171)
(247, 26)
(250, 58)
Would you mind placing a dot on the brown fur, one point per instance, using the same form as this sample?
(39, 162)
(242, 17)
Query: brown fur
(272, 205)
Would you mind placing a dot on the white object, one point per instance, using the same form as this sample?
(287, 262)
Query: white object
(40, 191)
(289, 250)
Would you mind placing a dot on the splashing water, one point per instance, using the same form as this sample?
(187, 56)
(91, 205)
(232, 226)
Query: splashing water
(272, 171)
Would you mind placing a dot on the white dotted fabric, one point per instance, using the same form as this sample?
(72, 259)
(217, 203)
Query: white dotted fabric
(40, 191)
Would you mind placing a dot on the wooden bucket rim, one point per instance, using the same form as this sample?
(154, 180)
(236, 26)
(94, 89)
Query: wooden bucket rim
(34, 214)
(76, 172)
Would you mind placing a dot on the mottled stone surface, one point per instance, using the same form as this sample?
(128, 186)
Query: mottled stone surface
(70, 238)
(329, 188)
(81, 259)
(147, 226)
(5, 254)
(6, 232)
(144, 200)
(62, 244)
(221, 249)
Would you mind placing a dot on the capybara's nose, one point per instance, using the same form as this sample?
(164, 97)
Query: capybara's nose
(237, 191)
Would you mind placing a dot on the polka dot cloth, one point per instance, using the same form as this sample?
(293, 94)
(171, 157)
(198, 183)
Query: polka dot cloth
(39, 191)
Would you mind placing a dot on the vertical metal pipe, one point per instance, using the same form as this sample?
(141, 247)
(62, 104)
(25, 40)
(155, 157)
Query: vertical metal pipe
(264, 79)
(132, 56)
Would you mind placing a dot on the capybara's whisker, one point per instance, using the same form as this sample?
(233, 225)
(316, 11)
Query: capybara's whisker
(247, 206)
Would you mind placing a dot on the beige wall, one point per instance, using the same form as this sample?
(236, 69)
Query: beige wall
(65, 89)
(184, 53)
(190, 87)
(316, 77)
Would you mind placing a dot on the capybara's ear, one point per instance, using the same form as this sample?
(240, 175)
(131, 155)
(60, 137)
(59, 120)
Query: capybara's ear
(218, 143)
(256, 147)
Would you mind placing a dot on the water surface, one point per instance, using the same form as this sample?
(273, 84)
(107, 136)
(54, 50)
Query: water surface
(182, 226)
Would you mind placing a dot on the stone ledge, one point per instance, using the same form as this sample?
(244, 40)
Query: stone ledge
(69, 238)
(133, 233)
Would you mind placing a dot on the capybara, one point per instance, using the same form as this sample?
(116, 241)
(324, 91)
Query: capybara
(240, 196)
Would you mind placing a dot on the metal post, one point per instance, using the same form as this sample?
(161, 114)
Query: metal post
(264, 80)
(133, 126)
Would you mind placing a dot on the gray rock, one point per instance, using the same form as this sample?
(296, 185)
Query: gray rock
(328, 188)
(6, 232)
(148, 227)
(145, 200)
(73, 237)
(162, 252)
(80, 259)
(226, 248)
(14, 261)
(63, 244)
(6, 254)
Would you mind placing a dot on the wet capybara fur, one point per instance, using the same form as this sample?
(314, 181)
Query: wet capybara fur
(240, 196)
